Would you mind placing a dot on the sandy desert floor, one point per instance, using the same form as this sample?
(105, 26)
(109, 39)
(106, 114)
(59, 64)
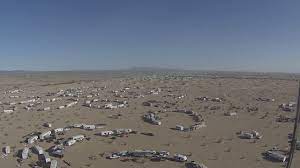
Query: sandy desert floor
(216, 145)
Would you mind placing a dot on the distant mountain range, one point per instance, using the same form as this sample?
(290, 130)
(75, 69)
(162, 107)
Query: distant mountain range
(154, 69)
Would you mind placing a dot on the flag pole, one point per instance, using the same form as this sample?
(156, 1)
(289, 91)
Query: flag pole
(294, 140)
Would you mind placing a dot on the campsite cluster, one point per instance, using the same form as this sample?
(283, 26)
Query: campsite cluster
(51, 143)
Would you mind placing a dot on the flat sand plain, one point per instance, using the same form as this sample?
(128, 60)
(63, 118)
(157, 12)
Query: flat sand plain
(216, 146)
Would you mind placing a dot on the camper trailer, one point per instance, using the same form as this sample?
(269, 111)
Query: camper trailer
(58, 130)
(8, 111)
(61, 107)
(78, 137)
(122, 131)
(46, 108)
(45, 134)
(78, 125)
(71, 104)
(106, 133)
(89, 127)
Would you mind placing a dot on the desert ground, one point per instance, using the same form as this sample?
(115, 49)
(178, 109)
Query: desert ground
(216, 145)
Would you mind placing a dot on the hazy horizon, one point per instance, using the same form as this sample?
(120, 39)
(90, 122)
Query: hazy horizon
(217, 35)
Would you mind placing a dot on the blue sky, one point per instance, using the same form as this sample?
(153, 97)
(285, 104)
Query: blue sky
(246, 35)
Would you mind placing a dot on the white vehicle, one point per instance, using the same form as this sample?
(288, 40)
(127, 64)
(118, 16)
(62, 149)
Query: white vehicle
(45, 134)
(12, 103)
(61, 107)
(164, 153)
(70, 142)
(8, 111)
(114, 156)
(122, 131)
(25, 153)
(49, 125)
(6, 149)
(180, 158)
(89, 127)
(156, 122)
(39, 150)
(27, 101)
(78, 125)
(110, 106)
(58, 130)
(230, 114)
(32, 139)
(46, 108)
(53, 164)
(106, 133)
(256, 134)
(121, 105)
(179, 127)
(71, 104)
(250, 135)
(67, 129)
(78, 137)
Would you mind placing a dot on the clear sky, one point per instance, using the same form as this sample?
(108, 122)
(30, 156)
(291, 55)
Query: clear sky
(248, 35)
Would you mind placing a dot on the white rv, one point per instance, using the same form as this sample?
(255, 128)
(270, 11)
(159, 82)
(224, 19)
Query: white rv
(45, 134)
(78, 125)
(8, 111)
(78, 137)
(61, 107)
(106, 133)
(46, 108)
(89, 127)
(71, 104)
(58, 130)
